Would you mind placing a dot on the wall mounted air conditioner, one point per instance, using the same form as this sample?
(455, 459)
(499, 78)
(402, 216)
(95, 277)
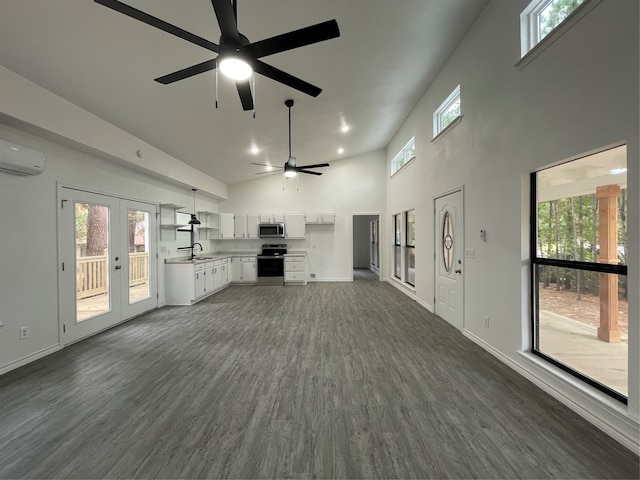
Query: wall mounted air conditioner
(20, 160)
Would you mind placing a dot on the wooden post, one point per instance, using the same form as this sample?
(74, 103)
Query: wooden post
(608, 213)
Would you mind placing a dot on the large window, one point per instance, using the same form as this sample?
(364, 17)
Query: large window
(397, 246)
(404, 156)
(410, 250)
(446, 113)
(579, 273)
(541, 17)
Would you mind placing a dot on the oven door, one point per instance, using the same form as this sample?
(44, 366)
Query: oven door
(270, 266)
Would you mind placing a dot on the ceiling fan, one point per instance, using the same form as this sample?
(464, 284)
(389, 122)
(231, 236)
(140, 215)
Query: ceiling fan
(237, 57)
(290, 169)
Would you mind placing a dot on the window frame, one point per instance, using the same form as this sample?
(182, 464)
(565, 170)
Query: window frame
(397, 245)
(528, 23)
(409, 247)
(438, 125)
(535, 261)
(404, 157)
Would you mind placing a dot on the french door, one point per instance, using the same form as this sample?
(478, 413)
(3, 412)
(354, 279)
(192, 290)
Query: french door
(108, 270)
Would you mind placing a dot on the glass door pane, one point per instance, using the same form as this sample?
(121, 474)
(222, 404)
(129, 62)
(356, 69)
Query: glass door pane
(92, 260)
(138, 248)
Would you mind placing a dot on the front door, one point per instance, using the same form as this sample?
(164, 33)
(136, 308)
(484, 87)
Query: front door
(108, 267)
(449, 242)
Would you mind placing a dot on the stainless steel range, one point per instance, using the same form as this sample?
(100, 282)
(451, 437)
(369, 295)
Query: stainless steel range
(271, 264)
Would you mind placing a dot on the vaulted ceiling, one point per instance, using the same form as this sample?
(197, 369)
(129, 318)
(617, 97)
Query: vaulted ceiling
(371, 76)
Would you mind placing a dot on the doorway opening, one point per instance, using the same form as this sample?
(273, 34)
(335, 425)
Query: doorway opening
(366, 247)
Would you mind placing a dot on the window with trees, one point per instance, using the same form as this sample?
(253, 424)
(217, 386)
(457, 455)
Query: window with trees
(404, 156)
(410, 250)
(397, 246)
(541, 17)
(447, 112)
(579, 268)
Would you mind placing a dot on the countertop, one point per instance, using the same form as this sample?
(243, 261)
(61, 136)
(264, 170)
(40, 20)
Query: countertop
(212, 257)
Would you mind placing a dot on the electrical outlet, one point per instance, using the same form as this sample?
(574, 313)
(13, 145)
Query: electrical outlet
(486, 321)
(24, 333)
(312, 275)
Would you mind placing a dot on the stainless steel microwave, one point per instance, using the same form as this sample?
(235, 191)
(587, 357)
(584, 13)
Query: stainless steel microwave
(271, 230)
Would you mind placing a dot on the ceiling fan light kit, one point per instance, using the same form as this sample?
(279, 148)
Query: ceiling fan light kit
(235, 49)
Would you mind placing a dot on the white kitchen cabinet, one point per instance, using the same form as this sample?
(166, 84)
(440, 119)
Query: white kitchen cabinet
(295, 269)
(320, 218)
(249, 272)
(226, 227)
(243, 270)
(295, 226)
(240, 226)
(185, 283)
(277, 217)
(265, 218)
(253, 221)
(209, 280)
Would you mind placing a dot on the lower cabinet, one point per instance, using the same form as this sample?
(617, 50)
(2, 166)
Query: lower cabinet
(186, 283)
(243, 270)
(295, 271)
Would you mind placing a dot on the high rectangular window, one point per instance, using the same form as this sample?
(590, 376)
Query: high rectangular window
(404, 156)
(579, 254)
(447, 112)
(541, 17)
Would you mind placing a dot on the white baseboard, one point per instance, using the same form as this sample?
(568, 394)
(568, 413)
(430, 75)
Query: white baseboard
(599, 409)
(311, 280)
(29, 358)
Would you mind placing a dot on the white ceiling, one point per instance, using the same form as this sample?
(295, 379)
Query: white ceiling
(371, 76)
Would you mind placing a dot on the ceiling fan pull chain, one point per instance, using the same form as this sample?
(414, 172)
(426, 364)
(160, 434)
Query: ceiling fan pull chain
(216, 83)
(254, 95)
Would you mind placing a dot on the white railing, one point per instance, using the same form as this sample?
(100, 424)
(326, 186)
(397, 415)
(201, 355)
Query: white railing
(92, 278)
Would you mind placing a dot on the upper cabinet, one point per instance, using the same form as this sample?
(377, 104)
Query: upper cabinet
(240, 226)
(320, 218)
(295, 225)
(252, 225)
(226, 227)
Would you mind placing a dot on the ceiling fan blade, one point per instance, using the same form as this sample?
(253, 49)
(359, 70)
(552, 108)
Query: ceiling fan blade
(226, 20)
(187, 72)
(285, 78)
(295, 39)
(317, 165)
(300, 170)
(244, 90)
(265, 165)
(157, 23)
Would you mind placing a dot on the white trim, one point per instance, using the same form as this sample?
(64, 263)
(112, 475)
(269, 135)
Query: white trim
(454, 96)
(597, 408)
(30, 358)
(529, 52)
(447, 129)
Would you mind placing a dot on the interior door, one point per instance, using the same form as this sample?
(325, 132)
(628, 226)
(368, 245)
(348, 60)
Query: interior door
(107, 261)
(449, 255)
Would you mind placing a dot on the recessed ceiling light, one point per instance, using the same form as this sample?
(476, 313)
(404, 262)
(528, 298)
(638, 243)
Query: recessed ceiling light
(341, 151)
(269, 168)
(617, 171)
(344, 129)
(255, 150)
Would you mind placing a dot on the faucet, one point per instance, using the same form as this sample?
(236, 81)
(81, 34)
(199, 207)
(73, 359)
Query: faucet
(193, 255)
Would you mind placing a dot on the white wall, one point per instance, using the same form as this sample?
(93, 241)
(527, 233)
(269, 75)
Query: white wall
(578, 95)
(348, 186)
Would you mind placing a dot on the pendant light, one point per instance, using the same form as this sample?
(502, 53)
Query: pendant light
(194, 220)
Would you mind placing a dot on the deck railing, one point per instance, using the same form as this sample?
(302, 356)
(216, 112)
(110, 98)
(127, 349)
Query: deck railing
(92, 278)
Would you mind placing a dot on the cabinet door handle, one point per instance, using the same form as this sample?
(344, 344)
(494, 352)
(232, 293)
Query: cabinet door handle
(118, 267)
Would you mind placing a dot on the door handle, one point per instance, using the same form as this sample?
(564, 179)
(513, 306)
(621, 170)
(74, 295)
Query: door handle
(118, 267)
(458, 271)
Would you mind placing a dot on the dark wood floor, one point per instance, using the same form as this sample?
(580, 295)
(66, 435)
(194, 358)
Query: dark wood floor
(328, 380)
